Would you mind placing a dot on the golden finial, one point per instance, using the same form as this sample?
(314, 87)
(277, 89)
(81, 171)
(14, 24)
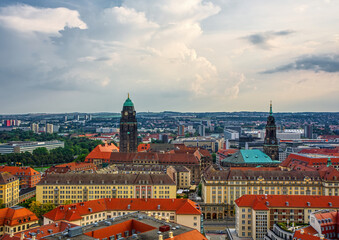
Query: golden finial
(128, 95)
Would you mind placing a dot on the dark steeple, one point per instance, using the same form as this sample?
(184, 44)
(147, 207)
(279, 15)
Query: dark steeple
(271, 147)
(128, 128)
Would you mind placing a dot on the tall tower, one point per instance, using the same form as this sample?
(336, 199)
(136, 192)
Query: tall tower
(128, 128)
(271, 147)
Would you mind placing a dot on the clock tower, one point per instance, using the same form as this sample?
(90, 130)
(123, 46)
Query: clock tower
(271, 147)
(128, 128)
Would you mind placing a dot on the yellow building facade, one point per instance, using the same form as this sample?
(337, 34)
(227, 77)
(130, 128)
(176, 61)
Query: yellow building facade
(9, 189)
(64, 188)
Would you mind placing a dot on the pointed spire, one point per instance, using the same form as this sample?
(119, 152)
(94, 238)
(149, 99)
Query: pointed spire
(271, 112)
(128, 95)
(329, 162)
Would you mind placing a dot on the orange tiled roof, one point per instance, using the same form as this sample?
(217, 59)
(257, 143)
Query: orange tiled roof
(15, 216)
(28, 171)
(73, 212)
(143, 147)
(305, 236)
(297, 201)
(194, 234)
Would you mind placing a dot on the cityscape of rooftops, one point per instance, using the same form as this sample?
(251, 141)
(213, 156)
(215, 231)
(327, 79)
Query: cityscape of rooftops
(167, 119)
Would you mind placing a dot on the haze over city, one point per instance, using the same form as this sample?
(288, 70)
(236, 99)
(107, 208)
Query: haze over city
(85, 56)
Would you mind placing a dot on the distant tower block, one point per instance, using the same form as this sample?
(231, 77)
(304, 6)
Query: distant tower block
(128, 128)
(271, 147)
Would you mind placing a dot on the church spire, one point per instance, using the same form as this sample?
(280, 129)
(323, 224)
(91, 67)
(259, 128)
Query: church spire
(329, 162)
(271, 112)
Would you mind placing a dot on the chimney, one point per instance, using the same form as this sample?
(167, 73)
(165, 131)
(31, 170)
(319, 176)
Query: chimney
(22, 236)
(170, 234)
(302, 231)
(12, 233)
(33, 237)
(160, 237)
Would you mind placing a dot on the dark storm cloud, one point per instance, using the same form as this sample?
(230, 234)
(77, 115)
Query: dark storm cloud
(261, 39)
(316, 63)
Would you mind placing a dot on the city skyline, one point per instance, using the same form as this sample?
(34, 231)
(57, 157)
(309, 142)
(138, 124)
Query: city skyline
(197, 56)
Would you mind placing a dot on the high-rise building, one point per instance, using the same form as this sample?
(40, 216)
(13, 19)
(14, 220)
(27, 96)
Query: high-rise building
(308, 131)
(271, 147)
(49, 128)
(201, 130)
(35, 127)
(128, 128)
(181, 130)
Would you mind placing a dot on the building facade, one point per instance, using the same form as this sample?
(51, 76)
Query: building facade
(80, 187)
(271, 147)
(128, 128)
(257, 214)
(220, 188)
(182, 211)
(27, 176)
(16, 219)
(9, 189)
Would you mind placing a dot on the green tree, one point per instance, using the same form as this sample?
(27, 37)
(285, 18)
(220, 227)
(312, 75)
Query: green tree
(40, 209)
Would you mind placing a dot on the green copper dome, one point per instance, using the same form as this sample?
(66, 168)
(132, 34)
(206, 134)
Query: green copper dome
(128, 102)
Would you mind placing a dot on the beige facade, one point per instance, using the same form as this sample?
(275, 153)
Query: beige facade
(225, 186)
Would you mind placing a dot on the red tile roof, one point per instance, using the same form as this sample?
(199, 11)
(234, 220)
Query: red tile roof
(16, 215)
(322, 151)
(73, 212)
(27, 171)
(41, 231)
(294, 201)
(305, 236)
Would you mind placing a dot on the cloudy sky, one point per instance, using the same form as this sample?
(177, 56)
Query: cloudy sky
(181, 55)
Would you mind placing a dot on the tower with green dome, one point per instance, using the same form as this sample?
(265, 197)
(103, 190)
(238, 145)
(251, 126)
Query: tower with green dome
(128, 128)
(271, 147)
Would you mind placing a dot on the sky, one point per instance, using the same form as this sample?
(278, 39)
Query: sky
(192, 55)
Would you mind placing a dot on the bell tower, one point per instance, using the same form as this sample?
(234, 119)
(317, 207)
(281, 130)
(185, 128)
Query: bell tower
(271, 147)
(128, 128)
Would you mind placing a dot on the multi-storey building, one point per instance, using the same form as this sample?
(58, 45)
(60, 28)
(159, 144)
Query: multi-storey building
(49, 128)
(16, 219)
(27, 176)
(21, 147)
(256, 214)
(220, 188)
(182, 211)
(71, 167)
(80, 187)
(134, 225)
(181, 175)
(35, 127)
(9, 189)
(195, 161)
